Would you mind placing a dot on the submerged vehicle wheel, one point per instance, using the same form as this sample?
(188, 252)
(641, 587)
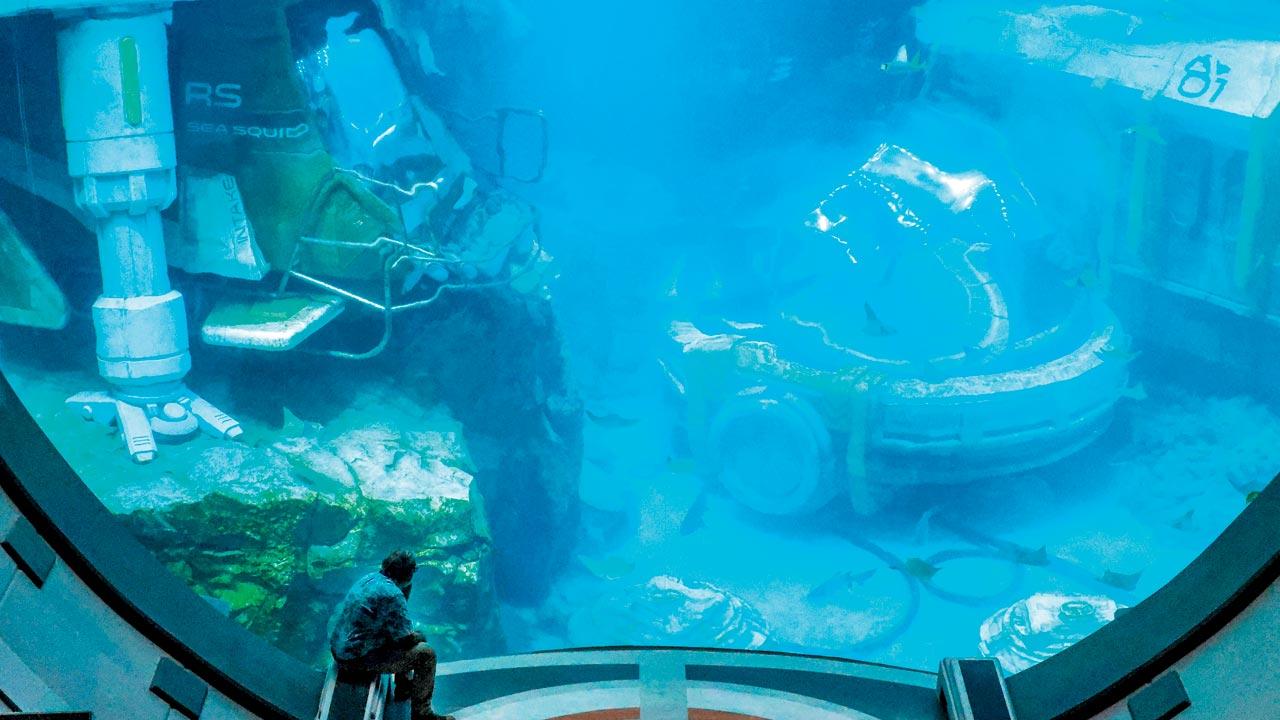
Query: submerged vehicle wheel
(773, 454)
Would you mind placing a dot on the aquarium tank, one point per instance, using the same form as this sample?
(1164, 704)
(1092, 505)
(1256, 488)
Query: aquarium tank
(888, 331)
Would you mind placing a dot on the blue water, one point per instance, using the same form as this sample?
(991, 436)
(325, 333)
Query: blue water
(854, 330)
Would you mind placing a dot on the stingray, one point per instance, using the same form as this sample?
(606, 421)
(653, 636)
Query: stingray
(294, 426)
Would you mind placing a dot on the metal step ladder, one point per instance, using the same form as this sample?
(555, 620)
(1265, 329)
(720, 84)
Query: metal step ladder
(377, 698)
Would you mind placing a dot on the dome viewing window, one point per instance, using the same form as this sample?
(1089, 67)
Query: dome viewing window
(889, 333)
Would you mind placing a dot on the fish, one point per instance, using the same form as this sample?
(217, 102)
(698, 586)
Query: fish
(1124, 581)
(917, 568)
(601, 463)
(611, 420)
(1121, 354)
(609, 568)
(551, 431)
(1137, 392)
(695, 518)
(295, 426)
(1146, 132)
(903, 63)
(874, 326)
(1088, 278)
(1185, 521)
(838, 586)
(413, 278)
(682, 465)
(602, 527)
(1251, 496)
(921, 536)
(1026, 556)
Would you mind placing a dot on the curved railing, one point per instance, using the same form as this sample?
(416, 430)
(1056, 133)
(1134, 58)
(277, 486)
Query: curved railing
(1097, 672)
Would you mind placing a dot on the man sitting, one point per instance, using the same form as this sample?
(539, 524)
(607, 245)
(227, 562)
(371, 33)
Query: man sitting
(372, 634)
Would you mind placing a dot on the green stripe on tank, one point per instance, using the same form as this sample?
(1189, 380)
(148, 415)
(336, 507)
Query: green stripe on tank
(130, 87)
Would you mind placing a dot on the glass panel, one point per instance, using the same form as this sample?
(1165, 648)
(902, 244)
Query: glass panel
(891, 332)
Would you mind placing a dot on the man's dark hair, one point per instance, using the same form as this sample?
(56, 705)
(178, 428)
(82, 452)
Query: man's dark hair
(399, 566)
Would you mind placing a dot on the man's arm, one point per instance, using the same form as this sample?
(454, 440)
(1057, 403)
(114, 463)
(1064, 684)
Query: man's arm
(398, 626)
(413, 638)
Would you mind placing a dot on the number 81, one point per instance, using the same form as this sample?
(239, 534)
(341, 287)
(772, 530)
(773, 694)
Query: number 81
(1207, 72)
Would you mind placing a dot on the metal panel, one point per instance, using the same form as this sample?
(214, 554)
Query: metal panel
(180, 688)
(1161, 700)
(32, 554)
